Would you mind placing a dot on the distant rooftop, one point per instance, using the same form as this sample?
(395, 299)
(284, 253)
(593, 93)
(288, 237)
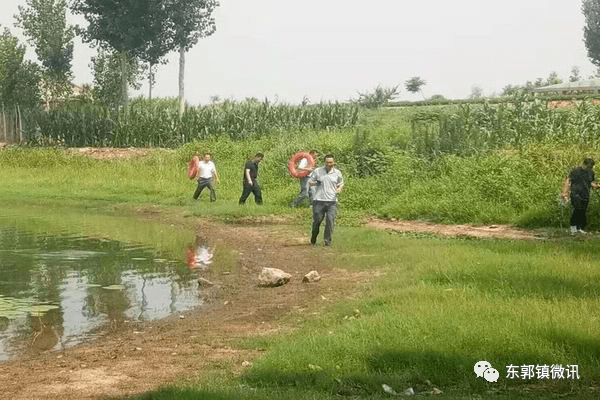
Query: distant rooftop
(587, 85)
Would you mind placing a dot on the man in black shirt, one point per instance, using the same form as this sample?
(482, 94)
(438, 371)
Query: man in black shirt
(250, 180)
(578, 183)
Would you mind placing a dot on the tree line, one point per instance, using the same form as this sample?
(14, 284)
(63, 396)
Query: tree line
(132, 37)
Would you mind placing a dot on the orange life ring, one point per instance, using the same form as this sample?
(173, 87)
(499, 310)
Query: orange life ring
(193, 167)
(295, 159)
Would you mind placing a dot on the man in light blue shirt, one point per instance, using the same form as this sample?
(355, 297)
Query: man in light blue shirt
(328, 182)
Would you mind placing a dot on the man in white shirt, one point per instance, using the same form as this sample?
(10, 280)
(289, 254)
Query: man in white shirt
(207, 174)
(305, 189)
(328, 182)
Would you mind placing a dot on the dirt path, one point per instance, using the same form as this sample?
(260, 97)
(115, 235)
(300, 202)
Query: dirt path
(486, 231)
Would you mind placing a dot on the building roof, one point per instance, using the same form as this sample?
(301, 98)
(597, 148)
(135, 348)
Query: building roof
(569, 87)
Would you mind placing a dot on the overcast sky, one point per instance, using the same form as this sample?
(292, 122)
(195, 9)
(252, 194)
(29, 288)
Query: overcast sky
(330, 50)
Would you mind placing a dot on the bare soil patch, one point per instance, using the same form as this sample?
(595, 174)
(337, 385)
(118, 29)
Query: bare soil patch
(110, 152)
(484, 231)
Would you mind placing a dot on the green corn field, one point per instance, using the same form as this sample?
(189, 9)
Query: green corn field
(158, 123)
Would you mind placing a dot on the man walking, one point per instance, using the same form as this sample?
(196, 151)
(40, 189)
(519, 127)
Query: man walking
(328, 182)
(250, 180)
(207, 174)
(305, 189)
(578, 183)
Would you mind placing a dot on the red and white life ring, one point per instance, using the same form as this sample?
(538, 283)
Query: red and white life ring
(193, 167)
(292, 164)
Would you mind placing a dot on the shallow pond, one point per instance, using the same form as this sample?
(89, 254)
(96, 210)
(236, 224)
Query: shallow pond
(59, 288)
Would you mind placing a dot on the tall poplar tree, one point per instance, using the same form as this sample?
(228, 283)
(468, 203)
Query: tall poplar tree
(44, 23)
(190, 20)
(19, 78)
(591, 30)
(133, 28)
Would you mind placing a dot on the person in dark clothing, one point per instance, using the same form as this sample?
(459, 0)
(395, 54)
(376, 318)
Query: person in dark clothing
(577, 185)
(250, 180)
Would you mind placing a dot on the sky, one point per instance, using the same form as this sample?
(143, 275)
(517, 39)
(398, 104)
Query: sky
(332, 50)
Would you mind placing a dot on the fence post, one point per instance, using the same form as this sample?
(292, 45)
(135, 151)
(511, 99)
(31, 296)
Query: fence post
(4, 122)
(20, 125)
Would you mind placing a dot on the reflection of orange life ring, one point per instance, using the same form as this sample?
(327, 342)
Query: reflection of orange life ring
(190, 257)
(295, 159)
(193, 167)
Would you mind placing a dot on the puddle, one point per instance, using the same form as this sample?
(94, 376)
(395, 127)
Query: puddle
(58, 290)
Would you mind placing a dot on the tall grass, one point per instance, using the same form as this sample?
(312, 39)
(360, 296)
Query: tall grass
(514, 186)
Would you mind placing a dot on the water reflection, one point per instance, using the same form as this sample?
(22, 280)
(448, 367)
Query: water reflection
(57, 291)
(199, 255)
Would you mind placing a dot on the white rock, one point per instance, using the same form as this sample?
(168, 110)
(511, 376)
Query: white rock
(273, 277)
(408, 392)
(205, 282)
(312, 276)
(389, 390)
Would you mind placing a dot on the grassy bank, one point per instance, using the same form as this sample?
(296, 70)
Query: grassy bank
(437, 307)
(383, 176)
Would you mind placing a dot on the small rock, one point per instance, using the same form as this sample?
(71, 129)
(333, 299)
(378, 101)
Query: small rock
(246, 364)
(226, 302)
(205, 282)
(312, 276)
(389, 390)
(436, 392)
(408, 392)
(272, 277)
(315, 367)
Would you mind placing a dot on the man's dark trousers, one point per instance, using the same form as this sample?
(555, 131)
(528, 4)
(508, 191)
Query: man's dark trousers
(304, 192)
(580, 206)
(327, 210)
(254, 188)
(202, 183)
